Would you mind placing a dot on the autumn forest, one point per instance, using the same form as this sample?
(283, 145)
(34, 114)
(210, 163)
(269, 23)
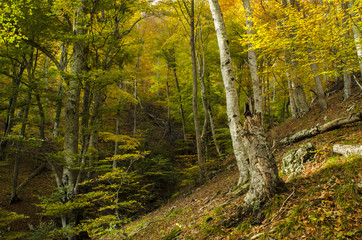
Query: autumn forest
(121, 105)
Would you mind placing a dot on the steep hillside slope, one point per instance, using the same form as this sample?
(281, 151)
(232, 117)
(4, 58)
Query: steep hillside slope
(324, 202)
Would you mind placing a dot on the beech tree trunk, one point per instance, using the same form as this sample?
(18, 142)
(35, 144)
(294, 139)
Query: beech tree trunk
(265, 181)
(307, 133)
(200, 157)
(15, 85)
(356, 34)
(347, 150)
(71, 119)
(318, 82)
(252, 60)
(232, 103)
(14, 198)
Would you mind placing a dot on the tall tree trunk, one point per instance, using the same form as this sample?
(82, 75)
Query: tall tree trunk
(11, 110)
(14, 198)
(265, 181)
(300, 99)
(205, 99)
(347, 79)
(252, 59)
(42, 117)
(200, 157)
(356, 34)
(232, 104)
(63, 64)
(169, 129)
(318, 82)
(183, 122)
(264, 173)
(136, 95)
(71, 118)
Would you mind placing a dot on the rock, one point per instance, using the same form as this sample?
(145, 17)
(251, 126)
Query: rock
(292, 162)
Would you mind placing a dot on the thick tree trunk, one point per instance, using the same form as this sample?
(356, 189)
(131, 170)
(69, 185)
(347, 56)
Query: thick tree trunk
(318, 82)
(300, 100)
(232, 103)
(265, 181)
(307, 133)
(347, 150)
(252, 60)
(71, 119)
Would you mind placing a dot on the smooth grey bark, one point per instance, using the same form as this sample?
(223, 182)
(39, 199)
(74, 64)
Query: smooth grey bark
(356, 33)
(347, 79)
(321, 128)
(232, 103)
(252, 59)
(318, 82)
(300, 99)
(205, 100)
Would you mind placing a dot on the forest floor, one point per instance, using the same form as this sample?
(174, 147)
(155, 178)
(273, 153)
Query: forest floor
(324, 202)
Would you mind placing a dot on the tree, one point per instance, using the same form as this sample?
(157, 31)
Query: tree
(264, 173)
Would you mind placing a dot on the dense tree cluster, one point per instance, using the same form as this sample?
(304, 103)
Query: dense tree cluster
(126, 101)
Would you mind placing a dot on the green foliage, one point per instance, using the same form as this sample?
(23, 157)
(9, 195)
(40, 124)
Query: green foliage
(43, 231)
(6, 219)
(173, 234)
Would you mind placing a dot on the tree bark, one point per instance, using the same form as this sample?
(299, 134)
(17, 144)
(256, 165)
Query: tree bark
(232, 103)
(347, 150)
(14, 198)
(200, 156)
(318, 82)
(11, 110)
(265, 181)
(356, 34)
(307, 133)
(252, 59)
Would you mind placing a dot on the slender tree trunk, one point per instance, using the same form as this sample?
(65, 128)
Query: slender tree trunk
(194, 88)
(118, 129)
(205, 99)
(183, 122)
(63, 63)
(252, 59)
(135, 95)
(347, 79)
(169, 129)
(14, 198)
(232, 103)
(11, 111)
(42, 117)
